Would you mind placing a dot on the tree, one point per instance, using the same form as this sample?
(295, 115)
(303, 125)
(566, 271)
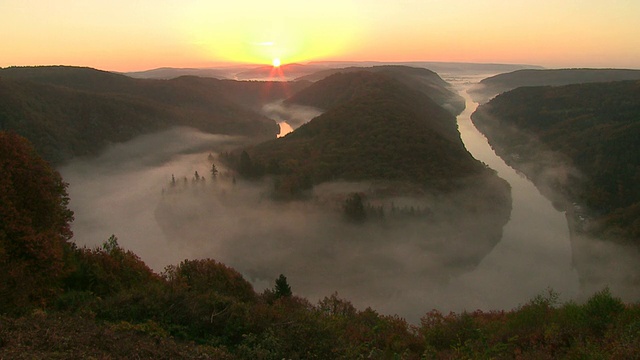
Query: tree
(107, 269)
(282, 288)
(354, 208)
(214, 171)
(246, 165)
(34, 226)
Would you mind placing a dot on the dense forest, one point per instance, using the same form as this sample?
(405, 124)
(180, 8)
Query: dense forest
(68, 111)
(589, 134)
(494, 85)
(58, 300)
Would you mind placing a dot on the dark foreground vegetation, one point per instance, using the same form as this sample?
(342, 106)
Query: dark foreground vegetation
(58, 301)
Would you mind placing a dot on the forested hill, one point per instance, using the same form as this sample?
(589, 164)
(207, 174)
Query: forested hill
(595, 127)
(375, 128)
(191, 90)
(494, 85)
(423, 80)
(70, 111)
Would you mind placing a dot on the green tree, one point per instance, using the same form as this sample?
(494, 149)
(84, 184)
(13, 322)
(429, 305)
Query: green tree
(282, 288)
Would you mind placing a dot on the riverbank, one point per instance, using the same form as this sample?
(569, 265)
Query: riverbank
(599, 261)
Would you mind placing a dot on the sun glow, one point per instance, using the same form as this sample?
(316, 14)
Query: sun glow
(292, 31)
(276, 62)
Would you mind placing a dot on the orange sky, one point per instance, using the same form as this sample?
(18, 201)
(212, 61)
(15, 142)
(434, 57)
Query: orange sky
(136, 35)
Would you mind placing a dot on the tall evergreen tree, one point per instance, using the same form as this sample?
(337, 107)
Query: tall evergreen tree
(282, 288)
(246, 165)
(354, 208)
(214, 171)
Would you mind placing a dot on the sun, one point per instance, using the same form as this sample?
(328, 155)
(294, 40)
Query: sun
(276, 62)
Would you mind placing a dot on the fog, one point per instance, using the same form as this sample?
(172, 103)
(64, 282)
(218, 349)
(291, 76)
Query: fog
(394, 265)
(451, 259)
(289, 116)
(118, 192)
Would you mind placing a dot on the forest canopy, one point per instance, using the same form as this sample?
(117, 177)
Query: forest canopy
(593, 128)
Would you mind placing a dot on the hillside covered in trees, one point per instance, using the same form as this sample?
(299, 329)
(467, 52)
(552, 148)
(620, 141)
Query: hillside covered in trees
(69, 111)
(580, 141)
(492, 86)
(58, 300)
(375, 128)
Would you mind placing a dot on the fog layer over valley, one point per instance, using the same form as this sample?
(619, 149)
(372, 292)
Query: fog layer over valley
(118, 192)
(393, 264)
(428, 250)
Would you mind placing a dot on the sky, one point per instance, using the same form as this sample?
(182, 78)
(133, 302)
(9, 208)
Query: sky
(126, 35)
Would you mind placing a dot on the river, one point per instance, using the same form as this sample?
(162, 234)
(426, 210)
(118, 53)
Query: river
(535, 251)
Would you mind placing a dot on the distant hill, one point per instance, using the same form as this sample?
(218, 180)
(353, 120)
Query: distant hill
(282, 73)
(546, 131)
(70, 111)
(495, 85)
(439, 67)
(255, 94)
(167, 73)
(420, 79)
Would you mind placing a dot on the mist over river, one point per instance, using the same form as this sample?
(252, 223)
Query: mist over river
(127, 192)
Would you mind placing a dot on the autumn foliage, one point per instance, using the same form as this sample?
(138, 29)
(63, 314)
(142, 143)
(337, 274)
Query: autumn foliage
(34, 225)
